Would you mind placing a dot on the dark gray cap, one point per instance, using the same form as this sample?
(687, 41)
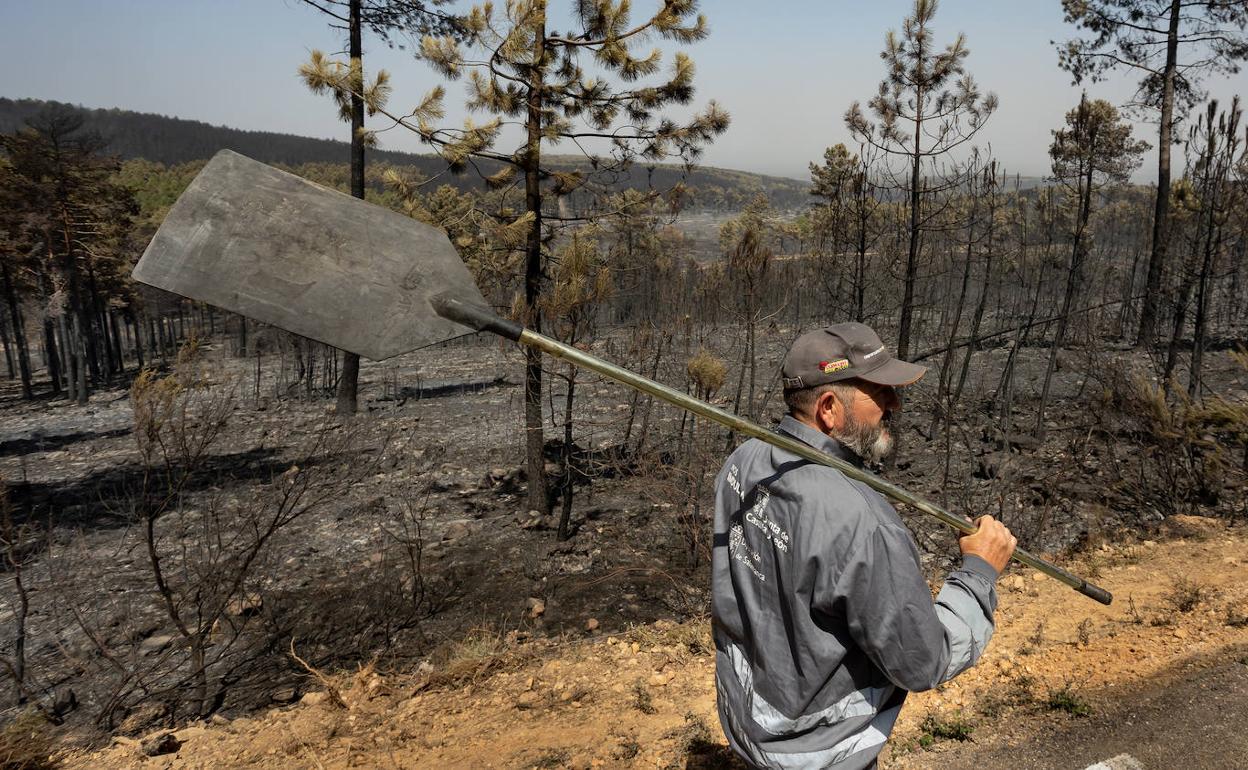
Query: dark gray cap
(841, 352)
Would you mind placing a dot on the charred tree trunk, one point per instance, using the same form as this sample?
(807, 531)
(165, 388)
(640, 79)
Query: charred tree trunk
(1161, 209)
(912, 256)
(52, 357)
(19, 331)
(536, 466)
(565, 509)
(1074, 279)
(348, 383)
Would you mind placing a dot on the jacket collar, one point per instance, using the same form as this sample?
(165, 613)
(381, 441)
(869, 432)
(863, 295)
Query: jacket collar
(808, 435)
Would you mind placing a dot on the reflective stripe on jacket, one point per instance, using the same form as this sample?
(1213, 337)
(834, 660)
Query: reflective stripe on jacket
(822, 618)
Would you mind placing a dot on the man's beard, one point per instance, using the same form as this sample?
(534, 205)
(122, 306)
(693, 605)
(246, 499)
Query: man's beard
(870, 442)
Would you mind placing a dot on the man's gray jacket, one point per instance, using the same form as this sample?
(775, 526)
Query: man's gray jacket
(822, 618)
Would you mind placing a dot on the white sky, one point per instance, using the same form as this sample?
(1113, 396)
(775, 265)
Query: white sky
(786, 71)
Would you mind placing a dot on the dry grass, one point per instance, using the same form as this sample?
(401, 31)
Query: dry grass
(1186, 595)
(479, 654)
(642, 700)
(26, 744)
(692, 636)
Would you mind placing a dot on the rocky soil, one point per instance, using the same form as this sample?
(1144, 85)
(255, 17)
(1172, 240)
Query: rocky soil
(644, 697)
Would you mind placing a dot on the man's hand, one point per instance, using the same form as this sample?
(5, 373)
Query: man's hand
(991, 542)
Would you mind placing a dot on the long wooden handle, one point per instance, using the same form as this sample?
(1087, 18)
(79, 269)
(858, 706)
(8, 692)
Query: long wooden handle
(484, 319)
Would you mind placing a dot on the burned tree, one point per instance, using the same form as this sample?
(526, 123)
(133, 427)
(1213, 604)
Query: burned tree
(927, 106)
(1093, 150)
(383, 16)
(1171, 45)
(536, 79)
(1204, 197)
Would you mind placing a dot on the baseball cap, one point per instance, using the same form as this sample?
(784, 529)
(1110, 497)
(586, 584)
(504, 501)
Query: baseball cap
(841, 352)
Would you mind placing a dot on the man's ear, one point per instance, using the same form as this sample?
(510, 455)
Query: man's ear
(829, 412)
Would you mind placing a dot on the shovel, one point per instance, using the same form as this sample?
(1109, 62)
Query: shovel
(274, 247)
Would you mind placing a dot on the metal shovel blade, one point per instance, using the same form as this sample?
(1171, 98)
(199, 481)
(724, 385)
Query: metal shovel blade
(277, 248)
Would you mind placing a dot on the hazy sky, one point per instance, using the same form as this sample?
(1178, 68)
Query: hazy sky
(785, 70)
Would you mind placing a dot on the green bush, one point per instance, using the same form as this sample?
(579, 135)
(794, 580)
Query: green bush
(948, 727)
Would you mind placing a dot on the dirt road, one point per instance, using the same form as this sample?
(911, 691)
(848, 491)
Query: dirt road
(1193, 717)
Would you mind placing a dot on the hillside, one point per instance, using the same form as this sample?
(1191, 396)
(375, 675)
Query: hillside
(1064, 684)
(173, 140)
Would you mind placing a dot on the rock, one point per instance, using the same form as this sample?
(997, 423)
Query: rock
(376, 686)
(528, 699)
(1039, 576)
(144, 630)
(504, 481)
(536, 607)
(1076, 490)
(284, 695)
(457, 530)
(1016, 582)
(989, 466)
(245, 606)
(155, 644)
(591, 624)
(161, 743)
(1021, 441)
(659, 680)
(314, 698)
(1195, 527)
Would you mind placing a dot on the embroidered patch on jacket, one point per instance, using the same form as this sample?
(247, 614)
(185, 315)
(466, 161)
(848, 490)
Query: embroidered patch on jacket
(828, 367)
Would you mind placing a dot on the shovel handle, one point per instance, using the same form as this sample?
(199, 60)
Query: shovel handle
(484, 319)
(476, 317)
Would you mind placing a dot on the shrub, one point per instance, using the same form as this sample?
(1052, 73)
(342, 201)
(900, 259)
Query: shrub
(1186, 595)
(1065, 698)
(641, 698)
(1185, 461)
(26, 744)
(948, 727)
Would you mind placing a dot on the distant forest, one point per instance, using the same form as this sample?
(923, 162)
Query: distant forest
(173, 141)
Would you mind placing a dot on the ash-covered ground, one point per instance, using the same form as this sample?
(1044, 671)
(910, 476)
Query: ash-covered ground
(413, 532)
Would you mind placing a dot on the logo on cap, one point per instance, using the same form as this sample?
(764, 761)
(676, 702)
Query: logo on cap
(828, 367)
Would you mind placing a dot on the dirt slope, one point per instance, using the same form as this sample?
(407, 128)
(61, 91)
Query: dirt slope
(1065, 680)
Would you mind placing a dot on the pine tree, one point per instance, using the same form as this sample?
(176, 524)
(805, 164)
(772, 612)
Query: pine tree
(536, 78)
(1172, 45)
(846, 191)
(1094, 149)
(75, 217)
(927, 106)
(1204, 198)
(382, 16)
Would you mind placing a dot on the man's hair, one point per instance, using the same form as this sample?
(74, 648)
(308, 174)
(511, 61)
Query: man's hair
(801, 401)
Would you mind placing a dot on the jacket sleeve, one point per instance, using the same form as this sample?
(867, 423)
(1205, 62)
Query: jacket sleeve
(918, 644)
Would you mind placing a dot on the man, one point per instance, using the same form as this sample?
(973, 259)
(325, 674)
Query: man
(822, 618)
